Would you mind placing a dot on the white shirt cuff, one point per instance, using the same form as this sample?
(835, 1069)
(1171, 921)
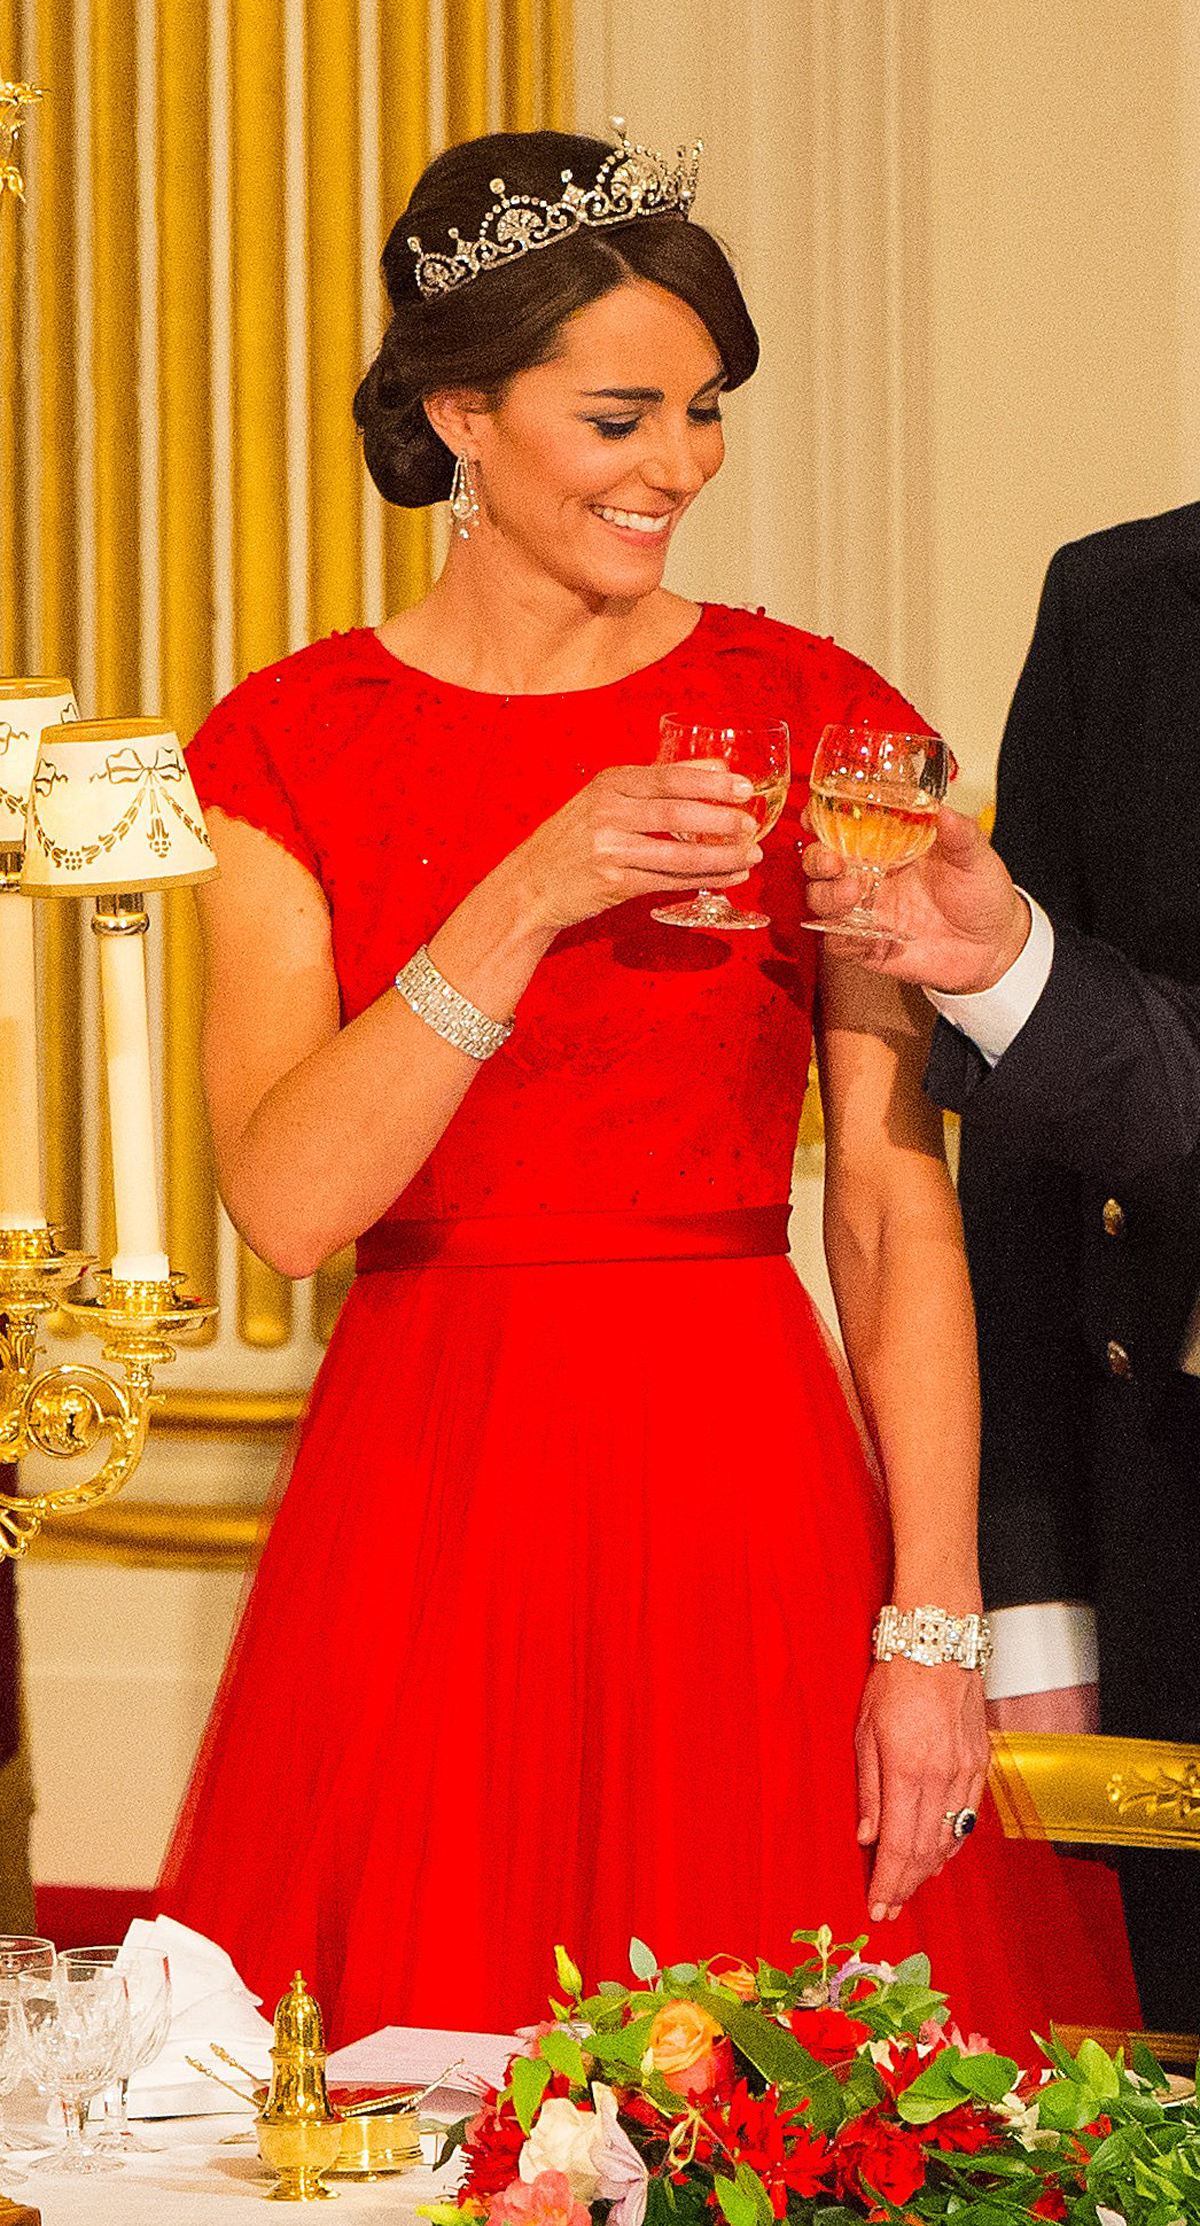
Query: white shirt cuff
(994, 1017)
(1039, 1649)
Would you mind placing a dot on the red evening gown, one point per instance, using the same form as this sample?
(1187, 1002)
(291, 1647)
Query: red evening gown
(562, 1623)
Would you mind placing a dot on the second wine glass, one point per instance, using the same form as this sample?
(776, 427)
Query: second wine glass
(874, 797)
(759, 752)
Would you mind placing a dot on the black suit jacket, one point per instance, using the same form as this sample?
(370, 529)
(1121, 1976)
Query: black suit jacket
(1080, 1186)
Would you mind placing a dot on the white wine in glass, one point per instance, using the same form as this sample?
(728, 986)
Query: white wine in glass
(760, 754)
(874, 797)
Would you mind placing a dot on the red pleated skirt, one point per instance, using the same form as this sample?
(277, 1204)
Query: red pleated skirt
(559, 1634)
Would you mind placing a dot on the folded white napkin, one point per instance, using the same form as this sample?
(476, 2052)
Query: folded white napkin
(208, 2003)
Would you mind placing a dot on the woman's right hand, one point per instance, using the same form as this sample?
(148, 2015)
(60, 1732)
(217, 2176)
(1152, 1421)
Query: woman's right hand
(618, 838)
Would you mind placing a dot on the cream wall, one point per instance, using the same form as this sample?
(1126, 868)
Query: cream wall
(969, 230)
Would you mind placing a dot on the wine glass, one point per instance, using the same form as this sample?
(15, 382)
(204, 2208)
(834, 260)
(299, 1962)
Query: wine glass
(874, 798)
(760, 753)
(22, 1954)
(148, 1983)
(76, 2035)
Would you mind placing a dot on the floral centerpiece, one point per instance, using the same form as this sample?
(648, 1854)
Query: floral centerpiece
(724, 2093)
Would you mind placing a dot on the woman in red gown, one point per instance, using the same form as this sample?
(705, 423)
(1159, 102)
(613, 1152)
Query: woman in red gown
(563, 1628)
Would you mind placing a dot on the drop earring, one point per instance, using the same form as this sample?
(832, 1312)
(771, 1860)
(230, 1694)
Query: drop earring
(464, 504)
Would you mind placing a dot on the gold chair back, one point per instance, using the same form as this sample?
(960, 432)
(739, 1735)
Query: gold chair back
(1100, 1792)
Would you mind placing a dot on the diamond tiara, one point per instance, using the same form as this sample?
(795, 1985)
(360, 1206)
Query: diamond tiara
(631, 182)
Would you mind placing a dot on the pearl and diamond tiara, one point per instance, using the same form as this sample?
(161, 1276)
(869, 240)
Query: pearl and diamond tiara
(631, 182)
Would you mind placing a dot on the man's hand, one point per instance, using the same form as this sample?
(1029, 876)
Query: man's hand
(963, 921)
(1067, 1708)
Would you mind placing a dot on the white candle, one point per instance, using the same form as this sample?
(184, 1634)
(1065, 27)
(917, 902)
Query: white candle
(21, 1201)
(139, 1256)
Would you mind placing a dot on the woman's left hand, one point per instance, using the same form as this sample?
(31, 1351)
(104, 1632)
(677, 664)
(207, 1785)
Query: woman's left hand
(922, 1749)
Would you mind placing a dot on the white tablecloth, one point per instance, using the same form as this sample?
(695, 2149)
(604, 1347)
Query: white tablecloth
(202, 2173)
(198, 2179)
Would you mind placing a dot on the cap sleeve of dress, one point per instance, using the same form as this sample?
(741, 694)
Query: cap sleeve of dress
(235, 771)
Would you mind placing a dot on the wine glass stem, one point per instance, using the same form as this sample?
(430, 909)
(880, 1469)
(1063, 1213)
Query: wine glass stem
(874, 878)
(75, 2110)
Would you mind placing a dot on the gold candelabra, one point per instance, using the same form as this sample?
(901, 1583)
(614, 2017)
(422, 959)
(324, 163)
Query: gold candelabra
(105, 810)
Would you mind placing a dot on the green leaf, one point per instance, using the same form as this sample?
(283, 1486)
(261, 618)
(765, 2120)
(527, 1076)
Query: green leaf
(442, 2214)
(774, 2052)
(988, 2077)
(570, 1978)
(737, 2204)
(563, 2052)
(642, 1961)
(1099, 2070)
(914, 1968)
(1064, 2106)
(626, 2047)
(933, 2092)
(681, 1974)
(530, 2079)
(749, 2183)
(1147, 2066)
(613, 1990)
(452, 2140)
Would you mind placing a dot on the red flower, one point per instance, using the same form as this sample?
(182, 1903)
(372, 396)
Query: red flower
(786, 2154)
(903, 2063)
(965, 2129)
(828, 2034)
(1051, 2203)
(875, 2156)
(494, 2142)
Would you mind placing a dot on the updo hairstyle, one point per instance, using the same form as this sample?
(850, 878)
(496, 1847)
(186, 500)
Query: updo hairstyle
(508, 319)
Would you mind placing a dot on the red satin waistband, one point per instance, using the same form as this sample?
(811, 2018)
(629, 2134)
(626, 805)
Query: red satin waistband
(514, 1240)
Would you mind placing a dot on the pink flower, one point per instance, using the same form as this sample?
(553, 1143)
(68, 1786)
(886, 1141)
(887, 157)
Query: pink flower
(546, 2201)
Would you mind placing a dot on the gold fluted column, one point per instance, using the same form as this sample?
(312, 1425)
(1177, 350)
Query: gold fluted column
(518, 64)
(335, 360)
(57, 414)
(334, 340)
(185, 592)
(404, 152)
(12, 215)
(467, 41)
(258, 340)
(558, 65)
(114, 288)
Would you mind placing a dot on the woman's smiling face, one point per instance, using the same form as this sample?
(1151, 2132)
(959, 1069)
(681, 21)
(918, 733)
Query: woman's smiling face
(589, 461)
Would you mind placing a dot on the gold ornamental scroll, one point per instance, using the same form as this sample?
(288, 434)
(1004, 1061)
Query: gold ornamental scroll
(404, 150)
(185, 561)
(1097, 1791)
(258, 346)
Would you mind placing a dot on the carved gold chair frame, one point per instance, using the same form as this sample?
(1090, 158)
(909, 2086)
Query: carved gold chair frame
(1099, 1792)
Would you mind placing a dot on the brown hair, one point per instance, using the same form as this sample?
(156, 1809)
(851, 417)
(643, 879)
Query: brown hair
(483, 333)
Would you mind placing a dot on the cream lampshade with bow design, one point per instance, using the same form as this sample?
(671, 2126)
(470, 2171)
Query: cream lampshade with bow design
(112, 813)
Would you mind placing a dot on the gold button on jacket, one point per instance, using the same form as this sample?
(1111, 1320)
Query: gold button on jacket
(1114, 1218)
(1119, 1363)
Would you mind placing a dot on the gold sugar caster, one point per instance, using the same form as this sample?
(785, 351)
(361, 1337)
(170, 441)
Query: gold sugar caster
(298, 2135)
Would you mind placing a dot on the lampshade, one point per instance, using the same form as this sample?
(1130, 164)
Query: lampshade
(27, 707)
(113, 808)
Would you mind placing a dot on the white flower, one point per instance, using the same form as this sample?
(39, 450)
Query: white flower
(622, 2173)
(562, 2140)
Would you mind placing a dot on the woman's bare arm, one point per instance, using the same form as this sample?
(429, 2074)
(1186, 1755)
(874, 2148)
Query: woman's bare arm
(899, 1274)
(318, 1128)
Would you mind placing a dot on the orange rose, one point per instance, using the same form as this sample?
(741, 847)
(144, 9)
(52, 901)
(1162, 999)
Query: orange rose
(730, 1971)
(688, 2050)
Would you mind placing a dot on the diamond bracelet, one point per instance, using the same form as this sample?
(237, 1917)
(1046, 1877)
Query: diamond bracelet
(451, 1016)
(931, 1635)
